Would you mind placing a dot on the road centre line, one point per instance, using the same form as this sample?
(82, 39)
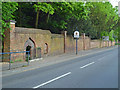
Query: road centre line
(52, 80)
(87, 65)
(63, 75)
(94, 62)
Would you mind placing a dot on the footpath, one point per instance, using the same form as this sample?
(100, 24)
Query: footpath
(50, 60)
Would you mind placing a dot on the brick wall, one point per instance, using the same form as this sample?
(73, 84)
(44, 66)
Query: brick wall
(57, 44)
(0, 48)
(50, 44)
(100, 44)
(71, 44)
(6, 44)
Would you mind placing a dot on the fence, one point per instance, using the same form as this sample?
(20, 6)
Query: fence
(15, 59)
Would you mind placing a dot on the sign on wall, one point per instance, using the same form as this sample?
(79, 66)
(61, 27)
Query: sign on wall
(76, 34)
(105, 38)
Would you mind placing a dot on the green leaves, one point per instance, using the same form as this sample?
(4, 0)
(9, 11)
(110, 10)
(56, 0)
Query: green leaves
(103, 16)
(92, 18)
(8, 8)
(111, 35)
(45, 7)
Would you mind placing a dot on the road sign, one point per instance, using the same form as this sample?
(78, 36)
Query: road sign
(76, 34)
(105, 38)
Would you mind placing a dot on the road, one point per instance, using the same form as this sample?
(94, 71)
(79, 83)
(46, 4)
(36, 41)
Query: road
(98, 70)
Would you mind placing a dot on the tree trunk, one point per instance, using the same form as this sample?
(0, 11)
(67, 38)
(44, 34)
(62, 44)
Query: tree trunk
(47, 18)
(20, 23)
(37, 17)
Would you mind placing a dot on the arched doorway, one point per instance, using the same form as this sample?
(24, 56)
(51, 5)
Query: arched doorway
(30, 46)
(46, 48)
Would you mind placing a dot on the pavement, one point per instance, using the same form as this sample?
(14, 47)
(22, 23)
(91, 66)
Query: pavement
(95, 68)
(46, 61)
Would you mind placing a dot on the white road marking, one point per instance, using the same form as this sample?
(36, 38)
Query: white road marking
(52, 80)
(87, 65)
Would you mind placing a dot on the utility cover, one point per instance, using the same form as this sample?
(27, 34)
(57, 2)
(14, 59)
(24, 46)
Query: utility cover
(76, 34)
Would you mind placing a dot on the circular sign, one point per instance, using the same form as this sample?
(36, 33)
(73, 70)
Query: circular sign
(76, 34)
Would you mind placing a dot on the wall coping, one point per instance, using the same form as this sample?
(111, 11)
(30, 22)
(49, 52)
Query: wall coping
(22, 30)
(57, 36)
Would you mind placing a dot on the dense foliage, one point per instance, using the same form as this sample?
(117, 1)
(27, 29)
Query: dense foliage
(96, 19)
(8, 8)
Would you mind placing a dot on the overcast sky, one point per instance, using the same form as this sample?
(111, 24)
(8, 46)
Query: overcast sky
(114, 2)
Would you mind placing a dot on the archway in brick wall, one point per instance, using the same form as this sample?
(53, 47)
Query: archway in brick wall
(46, 48)
(30, 46)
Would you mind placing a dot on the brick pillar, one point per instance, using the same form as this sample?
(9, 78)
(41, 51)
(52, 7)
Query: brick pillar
(12, 34)
(65, 35)
(84, 41)
(7, 41)
(6, 45)
(0, 47)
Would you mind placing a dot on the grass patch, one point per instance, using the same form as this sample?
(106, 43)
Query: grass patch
(18, 60)
(27, 59)
(11, 62)
(24, 65)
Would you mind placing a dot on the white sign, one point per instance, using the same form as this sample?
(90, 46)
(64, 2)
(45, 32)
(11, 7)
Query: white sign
(76, 34)
(106, 38)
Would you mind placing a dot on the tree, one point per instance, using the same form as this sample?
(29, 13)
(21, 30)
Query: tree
(44, 7)
(8, 8)
(25, 15)
(67, 16)
(103, 17)
(92, 18)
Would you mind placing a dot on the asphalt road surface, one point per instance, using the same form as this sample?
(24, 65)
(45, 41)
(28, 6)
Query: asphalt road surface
(98, 70)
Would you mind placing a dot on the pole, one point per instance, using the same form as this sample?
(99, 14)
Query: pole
(108, 43)
(28, 58)
(65, 34)
(64, 43)
(10, 62)
(111, 43)
(83, 41)
(76, 46)
(40, 52)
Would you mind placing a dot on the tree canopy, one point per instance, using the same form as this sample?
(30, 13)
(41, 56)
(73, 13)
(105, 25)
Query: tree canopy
(8, 8)
(96, 19)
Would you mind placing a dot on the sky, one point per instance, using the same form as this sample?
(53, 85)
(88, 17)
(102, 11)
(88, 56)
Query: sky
(114, 2)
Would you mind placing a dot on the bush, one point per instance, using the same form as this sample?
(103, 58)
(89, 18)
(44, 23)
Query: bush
(117, 43)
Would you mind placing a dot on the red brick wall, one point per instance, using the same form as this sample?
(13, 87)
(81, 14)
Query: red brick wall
(15, 41)
(99, 44)
(6, 44)
(18, 39)
(71, 44)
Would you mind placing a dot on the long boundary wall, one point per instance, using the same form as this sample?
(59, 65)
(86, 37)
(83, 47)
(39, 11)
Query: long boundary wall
(19, 38)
